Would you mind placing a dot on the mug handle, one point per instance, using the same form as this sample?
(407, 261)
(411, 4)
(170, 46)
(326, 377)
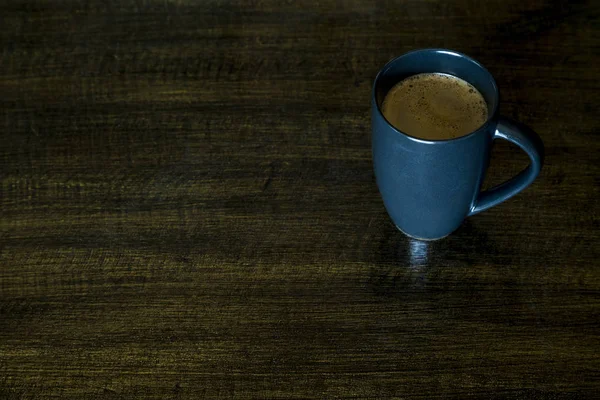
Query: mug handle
(524, 137)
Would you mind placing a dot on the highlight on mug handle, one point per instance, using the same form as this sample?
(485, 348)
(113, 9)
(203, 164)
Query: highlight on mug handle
(521, 135)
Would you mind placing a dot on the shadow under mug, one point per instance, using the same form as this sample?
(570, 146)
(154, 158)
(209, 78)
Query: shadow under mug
(430, 186)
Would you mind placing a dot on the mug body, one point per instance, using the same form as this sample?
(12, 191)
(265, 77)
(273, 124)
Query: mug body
(429, 186)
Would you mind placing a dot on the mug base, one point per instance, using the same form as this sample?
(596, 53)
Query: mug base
(419, 238)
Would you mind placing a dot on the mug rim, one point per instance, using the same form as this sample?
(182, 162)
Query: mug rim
(389, 64)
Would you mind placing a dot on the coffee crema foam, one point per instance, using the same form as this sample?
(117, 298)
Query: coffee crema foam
(435, 106)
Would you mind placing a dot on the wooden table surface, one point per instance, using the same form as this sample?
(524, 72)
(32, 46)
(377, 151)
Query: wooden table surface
(188, 206)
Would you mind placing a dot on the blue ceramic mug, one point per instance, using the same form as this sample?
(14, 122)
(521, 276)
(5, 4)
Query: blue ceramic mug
(430, 186)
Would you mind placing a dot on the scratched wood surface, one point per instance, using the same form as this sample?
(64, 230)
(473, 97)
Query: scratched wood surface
(188, 208)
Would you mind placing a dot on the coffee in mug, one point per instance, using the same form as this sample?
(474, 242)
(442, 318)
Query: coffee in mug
(435, 106)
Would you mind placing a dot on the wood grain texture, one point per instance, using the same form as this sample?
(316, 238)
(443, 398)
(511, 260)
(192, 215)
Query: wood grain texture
(188, 208)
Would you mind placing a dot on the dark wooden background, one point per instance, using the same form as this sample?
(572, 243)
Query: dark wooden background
(188, 208)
